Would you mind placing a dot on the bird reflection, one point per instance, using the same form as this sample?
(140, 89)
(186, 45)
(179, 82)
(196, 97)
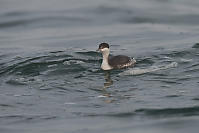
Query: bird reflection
(109, 96)
(108, 81)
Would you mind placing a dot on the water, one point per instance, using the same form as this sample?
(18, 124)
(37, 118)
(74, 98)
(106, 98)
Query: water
(50, 77)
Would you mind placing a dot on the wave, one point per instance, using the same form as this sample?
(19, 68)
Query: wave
(25, 118)
(139, 71)
(43, 21)
(185, 111)
(195, 45)
(149, 112)
(57, 62)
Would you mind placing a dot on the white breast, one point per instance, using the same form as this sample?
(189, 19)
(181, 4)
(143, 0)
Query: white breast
(105, 65)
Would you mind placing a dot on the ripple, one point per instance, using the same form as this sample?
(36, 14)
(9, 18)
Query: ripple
(155, 113)
(167, 19)
(196, 99)
(16, 82)
(6, 105)
(43, 20)
(71, 62)
(168, 112)
(90, 53)
(195, 45)
(172, 96)
(25, 118)
(146, 60)
(179, 53)
(36, 65)
(192, 70)
(110, 114)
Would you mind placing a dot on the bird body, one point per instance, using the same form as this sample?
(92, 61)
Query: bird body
(114, 62)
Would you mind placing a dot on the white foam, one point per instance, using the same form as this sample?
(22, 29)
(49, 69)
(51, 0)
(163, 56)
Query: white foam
(69, 103)
(54, 65)
(139, 71)
(101, 96)
(186, 60)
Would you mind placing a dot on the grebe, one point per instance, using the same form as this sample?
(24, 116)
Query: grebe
(114, 62)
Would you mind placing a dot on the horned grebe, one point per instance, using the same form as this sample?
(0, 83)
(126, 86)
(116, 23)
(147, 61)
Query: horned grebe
(114, 62)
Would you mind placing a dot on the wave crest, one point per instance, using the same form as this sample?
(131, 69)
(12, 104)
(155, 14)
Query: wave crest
(139, 71)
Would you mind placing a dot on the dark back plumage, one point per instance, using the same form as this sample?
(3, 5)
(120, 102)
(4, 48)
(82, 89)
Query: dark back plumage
(119, 61)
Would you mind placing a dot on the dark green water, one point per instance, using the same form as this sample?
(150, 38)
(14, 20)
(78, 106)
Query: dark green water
(50, 76)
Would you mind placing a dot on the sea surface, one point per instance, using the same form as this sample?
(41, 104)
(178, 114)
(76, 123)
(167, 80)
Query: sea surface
(50, 76)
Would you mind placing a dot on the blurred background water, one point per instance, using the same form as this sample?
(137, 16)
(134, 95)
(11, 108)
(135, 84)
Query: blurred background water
(50, 77)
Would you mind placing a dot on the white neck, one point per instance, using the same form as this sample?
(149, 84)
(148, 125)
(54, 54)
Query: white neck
(105, 54)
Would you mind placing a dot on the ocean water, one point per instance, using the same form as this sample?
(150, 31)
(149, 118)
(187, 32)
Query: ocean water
(50, 76)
